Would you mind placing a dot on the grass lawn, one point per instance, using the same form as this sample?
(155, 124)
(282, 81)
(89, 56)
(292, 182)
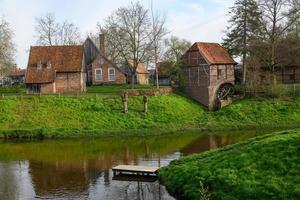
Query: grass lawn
(13, 90)
(97, 115)
(266, 167)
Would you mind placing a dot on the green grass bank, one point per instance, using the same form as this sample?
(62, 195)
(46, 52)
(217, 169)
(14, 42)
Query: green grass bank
(266, 167)
(98, 115)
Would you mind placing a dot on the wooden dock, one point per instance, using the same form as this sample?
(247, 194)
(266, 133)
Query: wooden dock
(134, 169)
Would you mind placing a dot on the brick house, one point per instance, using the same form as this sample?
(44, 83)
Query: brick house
(142, 74)
(100, 70)
(56, 69)
(208, 73)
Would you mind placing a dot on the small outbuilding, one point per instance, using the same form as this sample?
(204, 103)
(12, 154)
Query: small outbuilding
(208, 73)
(56, 69)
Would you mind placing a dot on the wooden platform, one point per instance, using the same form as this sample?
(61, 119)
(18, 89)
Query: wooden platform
(135, 169)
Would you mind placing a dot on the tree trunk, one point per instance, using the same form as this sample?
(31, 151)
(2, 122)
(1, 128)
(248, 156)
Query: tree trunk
(244, 47)
(156, 76)
(156, 70)
(132, 80)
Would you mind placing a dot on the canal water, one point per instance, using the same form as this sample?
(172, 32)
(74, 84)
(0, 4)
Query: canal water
(81, 168)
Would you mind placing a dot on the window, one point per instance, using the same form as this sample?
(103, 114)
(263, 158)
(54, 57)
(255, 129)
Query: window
(111, 74)
(219, 72)
(39, 65)
(98, 74)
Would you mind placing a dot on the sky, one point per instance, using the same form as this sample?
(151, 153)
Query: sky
(194, 20)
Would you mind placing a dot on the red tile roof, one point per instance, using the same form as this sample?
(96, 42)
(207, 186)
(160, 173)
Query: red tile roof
(214, 53)
(43, 75)
(61, 58)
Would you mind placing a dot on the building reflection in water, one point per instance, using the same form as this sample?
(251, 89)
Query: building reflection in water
(81, 169)
(92, 179)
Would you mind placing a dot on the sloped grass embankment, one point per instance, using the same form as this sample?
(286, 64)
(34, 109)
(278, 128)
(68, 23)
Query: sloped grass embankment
(94, 115)
(266, 167)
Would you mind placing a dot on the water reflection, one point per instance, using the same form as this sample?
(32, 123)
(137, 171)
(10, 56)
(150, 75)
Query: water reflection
(81, 169)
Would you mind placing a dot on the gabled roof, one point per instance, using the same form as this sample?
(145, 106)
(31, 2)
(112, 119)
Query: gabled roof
(98, 54)
(214, 53)
(43, 75)
(53, 59)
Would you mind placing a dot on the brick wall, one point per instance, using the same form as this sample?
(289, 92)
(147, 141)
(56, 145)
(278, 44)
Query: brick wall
(120, 78)
(48, 88)
(202, 82)
(70, 82)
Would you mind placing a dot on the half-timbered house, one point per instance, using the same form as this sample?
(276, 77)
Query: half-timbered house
(208, 73)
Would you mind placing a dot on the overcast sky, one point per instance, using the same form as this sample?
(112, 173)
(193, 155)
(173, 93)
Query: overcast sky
(195, 20)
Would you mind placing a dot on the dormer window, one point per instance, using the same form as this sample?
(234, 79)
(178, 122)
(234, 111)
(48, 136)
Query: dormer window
(49, 65)
(39, 65)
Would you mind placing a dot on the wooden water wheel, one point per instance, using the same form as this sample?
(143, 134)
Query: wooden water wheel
(223, 93)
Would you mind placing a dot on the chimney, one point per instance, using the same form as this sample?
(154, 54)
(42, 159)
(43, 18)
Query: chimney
(102, 41)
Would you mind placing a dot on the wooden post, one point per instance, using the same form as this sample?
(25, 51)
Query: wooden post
(125, 102)
(145, 99)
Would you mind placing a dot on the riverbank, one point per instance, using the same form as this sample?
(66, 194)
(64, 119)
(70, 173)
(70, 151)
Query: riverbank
(265, 167)
(96, 115)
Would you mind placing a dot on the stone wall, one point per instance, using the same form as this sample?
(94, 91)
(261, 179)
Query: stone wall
(149, 92)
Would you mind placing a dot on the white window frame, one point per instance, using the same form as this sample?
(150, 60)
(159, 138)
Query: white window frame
(97, 78)
(109, 75)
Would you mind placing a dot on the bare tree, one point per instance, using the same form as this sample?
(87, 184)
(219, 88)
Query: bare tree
(278, 16)
(49, 32)
(110, 51)
(175, 48)
(47, 29)
(129, 31)
(158, 33)
(69, 34)
(7, 47)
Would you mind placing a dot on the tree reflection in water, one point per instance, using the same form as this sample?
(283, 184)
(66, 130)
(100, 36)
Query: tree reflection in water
(81, 169)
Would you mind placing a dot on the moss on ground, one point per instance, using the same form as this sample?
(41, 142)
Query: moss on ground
(266, 167)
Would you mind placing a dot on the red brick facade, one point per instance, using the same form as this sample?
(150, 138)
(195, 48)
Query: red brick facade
(98, 73)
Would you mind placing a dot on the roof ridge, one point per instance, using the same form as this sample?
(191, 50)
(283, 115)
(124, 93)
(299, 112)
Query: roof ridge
(48, 46)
